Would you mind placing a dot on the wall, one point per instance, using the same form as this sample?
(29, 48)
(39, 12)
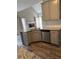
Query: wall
(46, 23)
(28, 13)
(19, 25)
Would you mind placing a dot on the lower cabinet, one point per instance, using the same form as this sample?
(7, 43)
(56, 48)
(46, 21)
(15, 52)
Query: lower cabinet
(55, 37)
(34, 35)
(44, 35)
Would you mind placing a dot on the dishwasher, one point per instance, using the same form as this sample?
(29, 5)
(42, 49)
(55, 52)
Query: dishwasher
(45, 35)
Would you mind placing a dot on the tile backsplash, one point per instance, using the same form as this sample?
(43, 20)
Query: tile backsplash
(52, 22)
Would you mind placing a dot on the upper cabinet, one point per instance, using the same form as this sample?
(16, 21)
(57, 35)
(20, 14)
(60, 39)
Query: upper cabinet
(51, 10)
(45, 10)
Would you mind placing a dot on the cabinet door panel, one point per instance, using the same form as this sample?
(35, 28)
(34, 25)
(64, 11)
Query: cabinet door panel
(51, 10)
(34, 36)
(54, 9)
(45, 10)
(54, 37)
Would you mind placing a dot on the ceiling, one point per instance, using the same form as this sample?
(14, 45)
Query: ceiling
(37, 8)
(23, 4)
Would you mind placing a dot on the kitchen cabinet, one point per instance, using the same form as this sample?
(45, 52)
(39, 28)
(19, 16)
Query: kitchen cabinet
(51, 10)
(34, 36)
(38, 35)
(50, 36)
(55, 37)
(45, 10)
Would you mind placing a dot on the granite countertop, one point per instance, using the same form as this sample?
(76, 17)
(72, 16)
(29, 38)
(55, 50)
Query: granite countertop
(49, 27)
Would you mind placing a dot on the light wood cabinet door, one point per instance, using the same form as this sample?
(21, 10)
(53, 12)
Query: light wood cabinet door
(34, 36)
(54, 9)
(45, 11)
(54, 37)
(51, 10)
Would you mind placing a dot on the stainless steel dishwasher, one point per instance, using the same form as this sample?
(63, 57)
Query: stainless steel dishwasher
(45, 35)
